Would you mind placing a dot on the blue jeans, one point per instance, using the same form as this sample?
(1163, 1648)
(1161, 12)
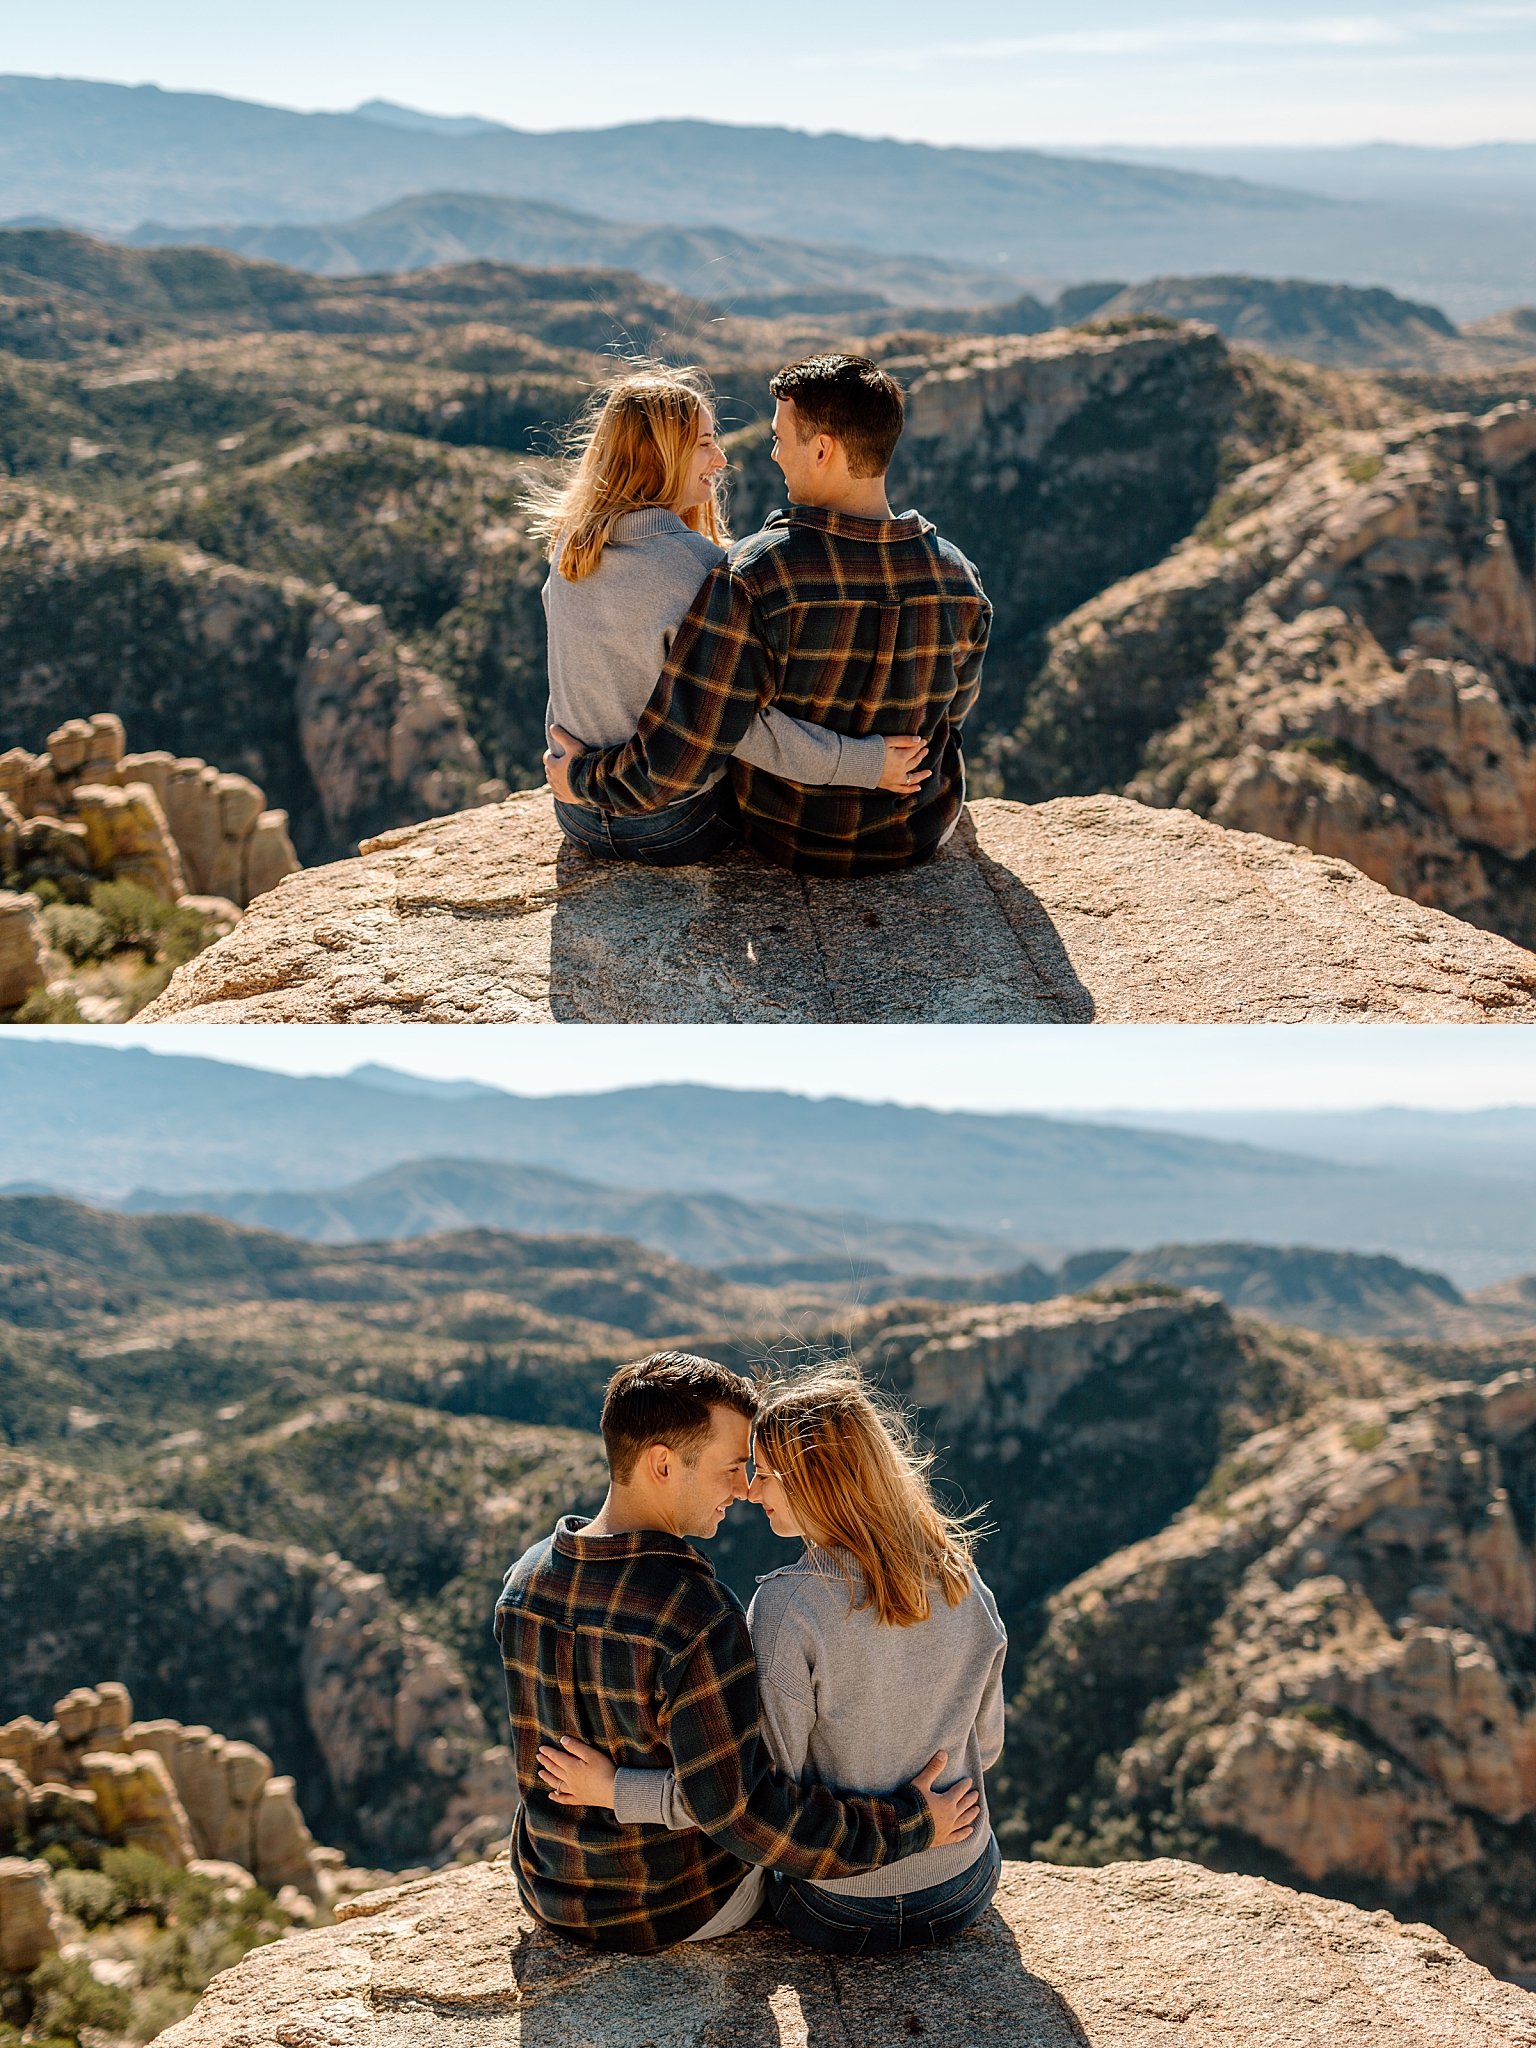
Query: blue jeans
(671, 838)
(846, 1925)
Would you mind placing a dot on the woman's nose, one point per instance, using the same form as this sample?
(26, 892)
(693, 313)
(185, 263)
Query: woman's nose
(755, 1489)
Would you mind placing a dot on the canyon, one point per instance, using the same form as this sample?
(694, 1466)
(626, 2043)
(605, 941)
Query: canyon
(1295, 600)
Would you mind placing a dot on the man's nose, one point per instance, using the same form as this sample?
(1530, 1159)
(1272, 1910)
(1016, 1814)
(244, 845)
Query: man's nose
(754, 1488)
(743, 1487)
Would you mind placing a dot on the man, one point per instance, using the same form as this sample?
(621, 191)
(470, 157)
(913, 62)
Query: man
(838, 612)
(617, 1631)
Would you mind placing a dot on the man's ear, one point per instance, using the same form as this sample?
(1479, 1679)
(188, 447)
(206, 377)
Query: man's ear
(826, 451)
(660, 1463)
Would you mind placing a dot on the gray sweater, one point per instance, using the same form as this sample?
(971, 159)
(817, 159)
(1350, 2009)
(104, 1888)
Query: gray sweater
(610, 635)
(852, 1702)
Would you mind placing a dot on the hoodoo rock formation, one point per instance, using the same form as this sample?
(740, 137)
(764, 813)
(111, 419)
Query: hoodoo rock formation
(94, 1774)
(85, 808)
(1126, 1957)
(1075, 910)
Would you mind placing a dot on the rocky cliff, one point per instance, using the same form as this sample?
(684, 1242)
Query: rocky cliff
(304, 1657)
(1321, 1669)
(1343, 656)
(1077, 910)
(303, 689)
(1124, 1958)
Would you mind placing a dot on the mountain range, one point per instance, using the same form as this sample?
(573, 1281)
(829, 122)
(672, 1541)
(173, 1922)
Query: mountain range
(720, 264)
(113, 157)
(104, 1122)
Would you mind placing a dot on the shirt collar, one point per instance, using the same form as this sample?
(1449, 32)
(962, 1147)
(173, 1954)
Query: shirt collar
(848, 526)
(572, 1540)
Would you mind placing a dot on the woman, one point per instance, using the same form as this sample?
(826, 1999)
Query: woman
(632, 533)
(876, 1647)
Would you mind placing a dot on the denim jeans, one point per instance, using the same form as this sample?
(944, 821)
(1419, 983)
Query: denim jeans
(671, 838)
(848, 1925)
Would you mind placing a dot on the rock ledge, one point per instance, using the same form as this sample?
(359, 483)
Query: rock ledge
(1085, 908)
(1132, 1956)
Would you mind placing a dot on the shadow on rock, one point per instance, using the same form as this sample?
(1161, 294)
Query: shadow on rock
(761, 1989)
(1042, 943)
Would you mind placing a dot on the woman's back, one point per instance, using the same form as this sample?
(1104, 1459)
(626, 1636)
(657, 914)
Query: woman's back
(610, 632)
(855, 1702)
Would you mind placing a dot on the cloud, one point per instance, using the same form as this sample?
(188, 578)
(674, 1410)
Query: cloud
(1341, 32)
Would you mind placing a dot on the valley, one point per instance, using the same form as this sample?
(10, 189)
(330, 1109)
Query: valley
(304, 1467)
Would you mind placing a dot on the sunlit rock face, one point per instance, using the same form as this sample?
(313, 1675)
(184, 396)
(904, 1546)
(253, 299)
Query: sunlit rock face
(1122, 1957)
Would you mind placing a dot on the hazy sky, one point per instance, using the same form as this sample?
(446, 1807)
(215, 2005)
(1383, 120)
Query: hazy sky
(996, 1067)
(981, 71)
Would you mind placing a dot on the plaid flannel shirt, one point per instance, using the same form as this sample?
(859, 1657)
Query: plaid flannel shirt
(632, 1643)
(861, 625)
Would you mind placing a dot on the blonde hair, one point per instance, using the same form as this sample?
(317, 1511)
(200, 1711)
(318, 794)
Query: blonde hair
(629, 450)
(857, 1483)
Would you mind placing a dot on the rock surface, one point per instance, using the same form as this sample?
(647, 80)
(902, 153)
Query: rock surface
(1126, 1957)
(1080, 909)
(23, 948)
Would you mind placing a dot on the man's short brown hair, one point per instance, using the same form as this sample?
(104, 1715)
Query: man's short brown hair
(666, 1399)
(850, 398)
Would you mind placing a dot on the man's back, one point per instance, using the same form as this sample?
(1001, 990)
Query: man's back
(875, 626)
(586, 1625)
(859, 625)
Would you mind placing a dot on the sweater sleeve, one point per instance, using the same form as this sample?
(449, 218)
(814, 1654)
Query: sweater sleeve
(989, 1716)
(797, 751)
(650, 1799)
(727, 1778)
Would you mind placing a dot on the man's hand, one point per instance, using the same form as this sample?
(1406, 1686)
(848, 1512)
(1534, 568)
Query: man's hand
(903, 760)
(561, 752)
(954, 1812)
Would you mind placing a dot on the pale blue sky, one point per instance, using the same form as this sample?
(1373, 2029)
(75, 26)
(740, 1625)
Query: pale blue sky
(982, 71)
(983, 1067)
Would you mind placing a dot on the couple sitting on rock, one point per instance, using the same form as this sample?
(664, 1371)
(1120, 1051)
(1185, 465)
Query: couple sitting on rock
(813, 682)
(682, 1764)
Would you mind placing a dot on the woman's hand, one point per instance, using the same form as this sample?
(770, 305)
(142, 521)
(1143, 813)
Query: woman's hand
(955, 1812)
(903, 771)
(561, 752)
(577, 1774)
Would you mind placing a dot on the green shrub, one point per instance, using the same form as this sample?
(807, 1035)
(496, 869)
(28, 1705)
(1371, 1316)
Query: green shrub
(161, 2006)
(43, 1008)
(68, 1998)
(90, 1895)
(186, 934)
(130, 915)
(144, 1884)
(76, 931)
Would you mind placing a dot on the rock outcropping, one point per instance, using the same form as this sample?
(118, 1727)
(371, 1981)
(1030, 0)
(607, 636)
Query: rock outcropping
(182, 1794)
(384, 1745)
(1127, 1957)
(1343, 656)
(178, 828)
(1322, 1665)
(1081, 909)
